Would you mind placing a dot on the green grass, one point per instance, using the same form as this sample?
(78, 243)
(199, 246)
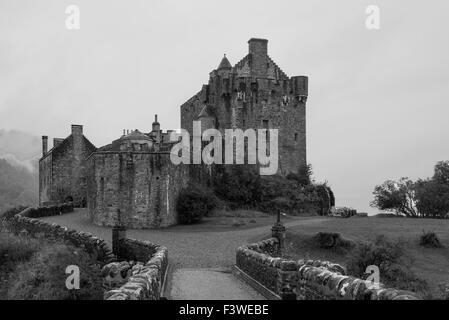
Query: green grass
(35, 269)
(429, 264)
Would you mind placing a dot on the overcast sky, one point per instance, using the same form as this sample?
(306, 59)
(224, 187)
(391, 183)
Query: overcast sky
(378, 99)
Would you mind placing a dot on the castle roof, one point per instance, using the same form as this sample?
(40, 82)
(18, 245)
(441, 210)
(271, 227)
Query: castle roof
(224, 64)
(207, 112)
(135, 135)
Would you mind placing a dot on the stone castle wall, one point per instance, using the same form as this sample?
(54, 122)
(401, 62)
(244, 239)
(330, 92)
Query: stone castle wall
(138, 188)
(257, 94)
(62, 172)
(308, 280)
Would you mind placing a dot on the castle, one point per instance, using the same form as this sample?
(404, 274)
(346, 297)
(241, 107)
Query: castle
(133, 181)
(254, 93)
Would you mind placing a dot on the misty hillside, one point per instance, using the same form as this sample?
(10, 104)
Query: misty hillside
(19, 154)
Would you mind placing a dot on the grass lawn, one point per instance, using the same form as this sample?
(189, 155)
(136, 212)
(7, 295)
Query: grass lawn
(432, 265)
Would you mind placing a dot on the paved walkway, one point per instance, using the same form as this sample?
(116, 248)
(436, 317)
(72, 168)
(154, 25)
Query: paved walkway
(200, 260)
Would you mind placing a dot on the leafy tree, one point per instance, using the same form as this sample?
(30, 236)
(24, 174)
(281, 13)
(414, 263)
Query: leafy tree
(441, 172)
(397, 196)
(432, 198)
(304, 175)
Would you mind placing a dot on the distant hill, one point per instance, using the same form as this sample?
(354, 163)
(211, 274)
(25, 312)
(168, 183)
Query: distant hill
(19, 154)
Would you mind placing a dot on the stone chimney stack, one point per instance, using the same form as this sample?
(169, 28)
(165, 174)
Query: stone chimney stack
(77, 130)
(156, 125)
(258, 49)
(57, 141)
(44, 145)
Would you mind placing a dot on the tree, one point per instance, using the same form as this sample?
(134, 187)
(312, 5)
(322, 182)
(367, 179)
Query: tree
(304, 175)
(397, 196)
(432, 198)
(441, 172)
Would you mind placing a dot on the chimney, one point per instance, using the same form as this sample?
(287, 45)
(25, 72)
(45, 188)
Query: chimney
(156, 125)
(44, 145)
(56, 142)
(258, 46)
(77, 130)
(258, 50)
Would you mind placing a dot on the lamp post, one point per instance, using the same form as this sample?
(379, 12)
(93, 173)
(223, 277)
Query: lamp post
(278, 232)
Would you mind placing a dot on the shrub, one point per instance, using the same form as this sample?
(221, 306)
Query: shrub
(14, 250)
(343, 212)
(195, 202)
(389, 257)
(329, 240)
(43, 277)
(429, 239)
(304, 175)
(8, 214)
(239, 185)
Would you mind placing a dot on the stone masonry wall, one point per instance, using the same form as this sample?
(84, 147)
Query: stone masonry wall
(138, 188)
(147, 282)
(257, 94)
(26, 221)
(275, 273)
(308, 280)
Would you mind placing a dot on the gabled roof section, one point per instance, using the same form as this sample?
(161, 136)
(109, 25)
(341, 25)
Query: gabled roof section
(243, 67)
(207, 112)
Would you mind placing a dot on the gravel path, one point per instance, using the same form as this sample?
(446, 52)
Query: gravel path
(187, 249)
(194, 255)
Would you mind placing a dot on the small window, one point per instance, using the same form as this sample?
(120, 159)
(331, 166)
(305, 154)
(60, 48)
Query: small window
(296, 137)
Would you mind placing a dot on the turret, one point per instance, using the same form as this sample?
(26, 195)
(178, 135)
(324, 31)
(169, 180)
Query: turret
(300, 87)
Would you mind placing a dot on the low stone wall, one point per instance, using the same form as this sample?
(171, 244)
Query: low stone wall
(259, 261)
(147, 280)
(25, 221)
(308, 280)
(321, 280)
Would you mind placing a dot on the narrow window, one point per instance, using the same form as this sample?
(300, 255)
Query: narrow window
(296, 137)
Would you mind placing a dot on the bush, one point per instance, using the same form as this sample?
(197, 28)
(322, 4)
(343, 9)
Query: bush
(429, 239)
(8, 214)
(329, 240)
(304, 175)
(14, 250)
(43, 277)
(195, 202)
(389, 257)
(343, 212)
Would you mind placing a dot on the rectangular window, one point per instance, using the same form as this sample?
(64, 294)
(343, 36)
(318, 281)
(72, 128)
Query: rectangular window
(296, 137)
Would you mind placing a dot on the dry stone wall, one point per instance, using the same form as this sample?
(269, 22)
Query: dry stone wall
(147, 280)
(308, 280)
(26, 222)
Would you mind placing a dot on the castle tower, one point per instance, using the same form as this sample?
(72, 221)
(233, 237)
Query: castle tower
(255, 93)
